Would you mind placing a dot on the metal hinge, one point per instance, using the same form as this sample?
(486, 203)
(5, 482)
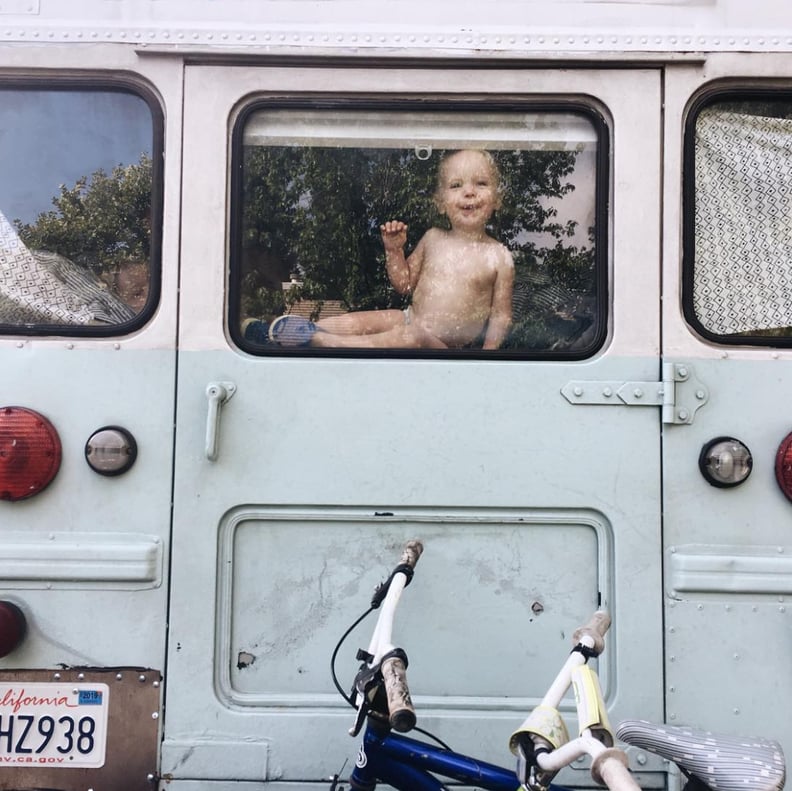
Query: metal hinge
(680, 394)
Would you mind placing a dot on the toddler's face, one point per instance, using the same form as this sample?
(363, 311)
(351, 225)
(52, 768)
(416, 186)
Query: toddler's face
(132, 283)
(468, 190)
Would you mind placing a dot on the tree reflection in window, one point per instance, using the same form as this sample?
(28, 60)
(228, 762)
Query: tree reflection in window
(76, 209)
(310, 237)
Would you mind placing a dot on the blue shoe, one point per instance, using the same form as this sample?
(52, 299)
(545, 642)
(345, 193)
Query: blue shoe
(292, 331)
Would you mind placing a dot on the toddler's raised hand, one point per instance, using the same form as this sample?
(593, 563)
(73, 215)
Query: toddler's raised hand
(394, 235)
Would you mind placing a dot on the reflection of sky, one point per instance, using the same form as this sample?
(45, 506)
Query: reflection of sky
(49, 138)
(578, 205)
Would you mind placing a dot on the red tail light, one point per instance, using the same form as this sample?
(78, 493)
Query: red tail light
(30, 452)
(783, 466)
(13, 627)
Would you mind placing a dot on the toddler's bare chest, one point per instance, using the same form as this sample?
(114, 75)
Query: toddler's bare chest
(462, 266)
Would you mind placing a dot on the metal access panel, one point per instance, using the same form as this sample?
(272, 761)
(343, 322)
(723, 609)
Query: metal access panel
(77, 729)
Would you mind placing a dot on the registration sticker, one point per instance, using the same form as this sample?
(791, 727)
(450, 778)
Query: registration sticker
(53, 724)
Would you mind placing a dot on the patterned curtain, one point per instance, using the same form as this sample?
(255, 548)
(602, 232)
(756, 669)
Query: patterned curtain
(743, 222)
(40, 287)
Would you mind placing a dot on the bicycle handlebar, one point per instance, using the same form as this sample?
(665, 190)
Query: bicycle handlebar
(384, 663)
(595, 629)
(400, 706)
(412, 551)
(610, 769)
(401, 713)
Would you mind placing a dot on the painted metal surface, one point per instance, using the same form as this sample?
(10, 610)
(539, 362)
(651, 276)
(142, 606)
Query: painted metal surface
(357, 28)
(285, 495)
(727, 630)
(322, 465)
(87, 561)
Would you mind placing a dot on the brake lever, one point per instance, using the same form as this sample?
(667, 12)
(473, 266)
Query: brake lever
(367, 678)
(526, 772)
(360, 718)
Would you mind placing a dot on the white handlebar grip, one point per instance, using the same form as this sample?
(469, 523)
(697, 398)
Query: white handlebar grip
(609, 769)
(412, 551)
(595, 630)
(402, 713)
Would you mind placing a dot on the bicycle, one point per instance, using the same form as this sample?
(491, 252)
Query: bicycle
(381, 697)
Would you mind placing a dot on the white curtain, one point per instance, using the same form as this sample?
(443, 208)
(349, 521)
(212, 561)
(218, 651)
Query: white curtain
(743, 222)
(40, 287)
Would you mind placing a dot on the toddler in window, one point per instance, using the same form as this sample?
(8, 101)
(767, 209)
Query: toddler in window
(460, 280)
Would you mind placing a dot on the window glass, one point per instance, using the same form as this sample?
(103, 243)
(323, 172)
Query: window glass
(76, 220)
(418, 231)
(738, 245)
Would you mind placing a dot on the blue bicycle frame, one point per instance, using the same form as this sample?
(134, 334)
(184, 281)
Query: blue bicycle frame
(407, 764)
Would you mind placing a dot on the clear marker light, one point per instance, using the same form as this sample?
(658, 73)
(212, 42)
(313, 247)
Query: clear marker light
(725, 462)
(110, 450)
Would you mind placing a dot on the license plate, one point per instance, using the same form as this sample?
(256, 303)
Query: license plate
(53, 724)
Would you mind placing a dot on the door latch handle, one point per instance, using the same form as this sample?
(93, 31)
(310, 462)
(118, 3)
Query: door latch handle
(217, 393)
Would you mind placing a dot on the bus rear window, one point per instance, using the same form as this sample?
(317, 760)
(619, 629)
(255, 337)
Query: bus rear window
(77, 227)
(738, 205)
(414, 232)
